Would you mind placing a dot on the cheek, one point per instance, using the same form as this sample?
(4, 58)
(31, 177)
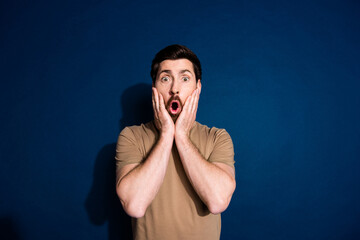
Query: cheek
(162, 90)
(165, 94)
(186, 95)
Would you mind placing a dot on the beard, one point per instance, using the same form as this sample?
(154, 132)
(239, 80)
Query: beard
(174, 107)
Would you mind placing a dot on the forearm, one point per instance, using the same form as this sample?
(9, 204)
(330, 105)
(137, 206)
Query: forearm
(213, 184)
(137, 188)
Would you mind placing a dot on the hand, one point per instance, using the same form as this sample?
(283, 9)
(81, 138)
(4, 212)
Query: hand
(162, 118)
(187, 116)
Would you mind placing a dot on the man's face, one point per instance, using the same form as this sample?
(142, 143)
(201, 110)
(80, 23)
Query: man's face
(176, 81)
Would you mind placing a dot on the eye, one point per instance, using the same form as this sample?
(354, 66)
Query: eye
(165, 79)
(185, 79)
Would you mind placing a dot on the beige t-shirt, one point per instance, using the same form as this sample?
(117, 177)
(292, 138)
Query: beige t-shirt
(177, 211)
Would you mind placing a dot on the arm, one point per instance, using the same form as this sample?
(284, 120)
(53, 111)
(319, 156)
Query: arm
(213, 182)
(138, 184)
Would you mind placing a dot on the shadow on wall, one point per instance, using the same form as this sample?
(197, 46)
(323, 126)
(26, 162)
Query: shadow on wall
(102, 203)
(136, 105)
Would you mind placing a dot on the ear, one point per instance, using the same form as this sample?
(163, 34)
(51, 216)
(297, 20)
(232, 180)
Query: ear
(198, 85)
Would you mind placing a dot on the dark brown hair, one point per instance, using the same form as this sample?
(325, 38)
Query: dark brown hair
(174, 52)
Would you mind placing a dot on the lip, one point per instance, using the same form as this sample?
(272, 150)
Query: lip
(172, 111)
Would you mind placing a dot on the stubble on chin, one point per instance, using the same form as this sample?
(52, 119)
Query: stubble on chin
(174, 117)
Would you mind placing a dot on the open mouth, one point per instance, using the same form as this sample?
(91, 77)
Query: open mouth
(175, 107)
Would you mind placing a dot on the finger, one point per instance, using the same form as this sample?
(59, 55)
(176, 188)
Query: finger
(156, 112)
(153, 98)
(156, 100)
(162, 103)
(191, 107)
(196, 101)
(187, 105)
(196, 104)
(165, 113)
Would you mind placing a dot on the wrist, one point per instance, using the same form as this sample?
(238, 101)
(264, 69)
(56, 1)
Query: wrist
(167, 134)
(181, 136)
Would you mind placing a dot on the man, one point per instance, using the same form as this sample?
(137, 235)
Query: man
(174, 175)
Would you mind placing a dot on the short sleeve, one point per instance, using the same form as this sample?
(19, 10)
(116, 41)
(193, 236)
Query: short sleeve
(223, 150)
(127, 149)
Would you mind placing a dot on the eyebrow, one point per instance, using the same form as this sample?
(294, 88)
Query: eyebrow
(185, 70)
(165, 71)
(181, 72)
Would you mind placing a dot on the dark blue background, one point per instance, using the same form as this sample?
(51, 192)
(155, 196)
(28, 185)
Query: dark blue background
(281, 76)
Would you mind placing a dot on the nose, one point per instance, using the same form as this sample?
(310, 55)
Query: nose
(174, 88)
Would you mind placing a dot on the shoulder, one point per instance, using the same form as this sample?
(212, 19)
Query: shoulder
(214, 143)
(136, 140)
(210, 137)
(140, 131)
(209, 132)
